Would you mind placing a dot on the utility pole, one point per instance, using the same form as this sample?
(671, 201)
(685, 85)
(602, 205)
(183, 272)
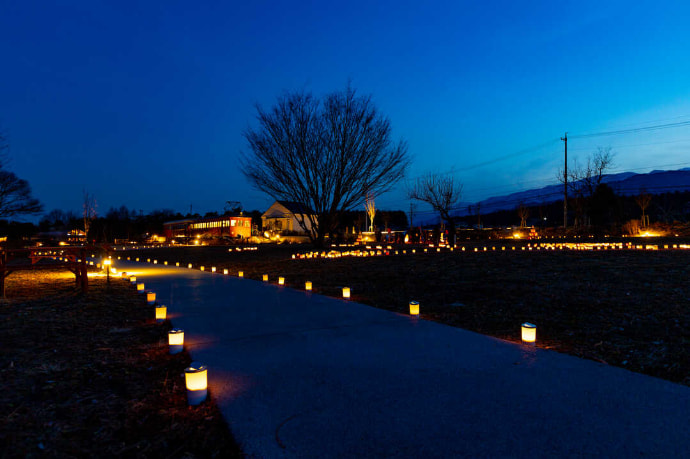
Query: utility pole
(565, 183)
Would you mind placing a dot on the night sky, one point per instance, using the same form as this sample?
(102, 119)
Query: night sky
(143, 104)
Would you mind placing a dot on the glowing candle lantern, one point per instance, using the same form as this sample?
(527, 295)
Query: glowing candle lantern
(189, 266)
(176, 340)
(529, 333)
(161, 312)
(140, 288)
(240, 274)
(202, 268)
(213, 269)
(124, 275)
(265, 278)
(281, 281)
(148, 260)
(346, 293)
(155, 262)
(196, 380)
(414, 308)
(165, 263)
(225, 271)
(132, 279)
(177, 263)
(150, 297)
(137, 259)
(307, 285)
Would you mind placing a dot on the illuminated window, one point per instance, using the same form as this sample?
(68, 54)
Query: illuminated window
(233, 222)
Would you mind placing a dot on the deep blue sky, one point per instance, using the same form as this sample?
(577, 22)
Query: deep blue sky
(143, 104)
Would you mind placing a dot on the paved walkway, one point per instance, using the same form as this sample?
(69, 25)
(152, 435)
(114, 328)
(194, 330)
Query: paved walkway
(302, 375)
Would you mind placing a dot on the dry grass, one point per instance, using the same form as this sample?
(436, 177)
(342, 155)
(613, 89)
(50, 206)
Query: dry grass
(89, 375)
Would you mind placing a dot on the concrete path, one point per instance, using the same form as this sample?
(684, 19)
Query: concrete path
(302, 375)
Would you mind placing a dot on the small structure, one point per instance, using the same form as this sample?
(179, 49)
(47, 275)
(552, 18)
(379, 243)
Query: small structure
(226, 226)
(285, 216)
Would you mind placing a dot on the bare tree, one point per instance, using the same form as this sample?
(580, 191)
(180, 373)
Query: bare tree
(584, 180)
(15, 193)
(442, 192)
(370, 207)
(327, 155)
(89, 212)
(643, 200)
(523, 213)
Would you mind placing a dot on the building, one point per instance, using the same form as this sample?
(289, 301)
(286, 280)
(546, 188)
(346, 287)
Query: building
(283, 217)
(230, 227)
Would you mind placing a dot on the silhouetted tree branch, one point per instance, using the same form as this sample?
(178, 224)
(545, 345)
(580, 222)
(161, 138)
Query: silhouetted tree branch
(325, 154)
(15, 193)
(440, 191)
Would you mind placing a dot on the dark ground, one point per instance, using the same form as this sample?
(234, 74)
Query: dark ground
(89, 375)
(629, 308)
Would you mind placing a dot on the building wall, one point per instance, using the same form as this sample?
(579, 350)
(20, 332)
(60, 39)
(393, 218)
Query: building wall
(231, 227)
(279, 218)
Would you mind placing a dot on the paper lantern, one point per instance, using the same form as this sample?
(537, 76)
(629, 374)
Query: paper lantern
(213, 269)
(346, 292)
(165, 263)
(265, 277)
(161, 312)
(140, 287)
(281, 281)
(124, 274)
(240, 274)
(189, 266)
(155, 262)
(137, 259)
(202, 268)
(196, 380)
(132, 279)
(529, 333)
(176, 340)
(177, 263)
(414, 308)
(225, 271)
(307, 285)
(150, 297)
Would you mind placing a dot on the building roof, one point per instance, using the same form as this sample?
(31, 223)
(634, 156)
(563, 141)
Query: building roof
(295, 207)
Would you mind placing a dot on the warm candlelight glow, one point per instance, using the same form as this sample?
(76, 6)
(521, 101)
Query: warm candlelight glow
(176, 340)
(225, 271)
(265, 278)
(150, 297)
(196, 381)
(281, 281)
(529, 332)
(161, 312)
(307, 285)
(414, 308)
(189, 266)
(240, 274)
(346, 292)
(140, 287)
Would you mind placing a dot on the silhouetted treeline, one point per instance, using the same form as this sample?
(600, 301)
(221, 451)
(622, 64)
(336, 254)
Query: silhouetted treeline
(604, 211)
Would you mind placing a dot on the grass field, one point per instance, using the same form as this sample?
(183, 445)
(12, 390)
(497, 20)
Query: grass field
(89, 375)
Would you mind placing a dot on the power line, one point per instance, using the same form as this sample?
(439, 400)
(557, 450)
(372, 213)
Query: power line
(632, 130)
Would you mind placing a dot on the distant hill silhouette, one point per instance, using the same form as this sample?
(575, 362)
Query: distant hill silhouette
(624, 183)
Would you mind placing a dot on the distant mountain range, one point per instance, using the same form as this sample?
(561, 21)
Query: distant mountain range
(624, 183)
